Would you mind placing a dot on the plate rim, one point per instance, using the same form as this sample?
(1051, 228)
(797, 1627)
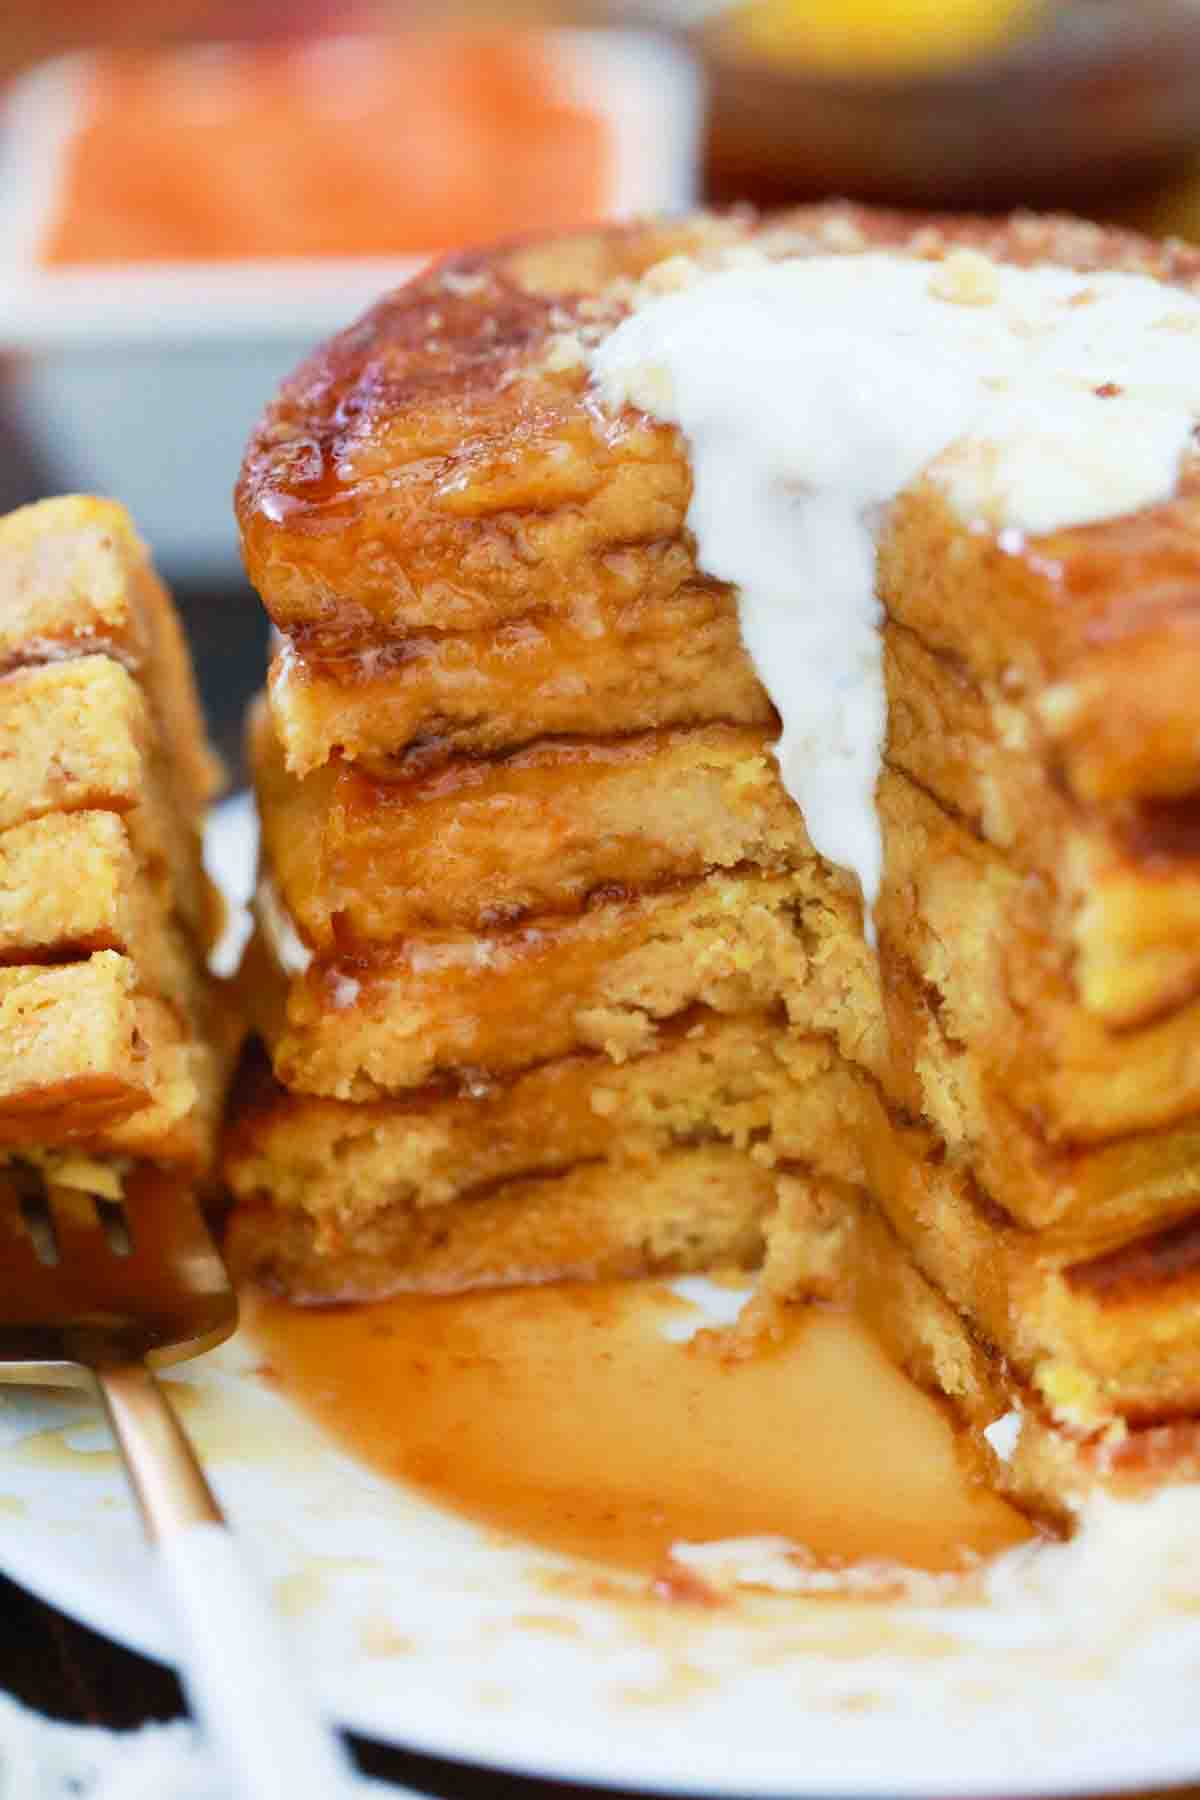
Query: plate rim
(432, 1721)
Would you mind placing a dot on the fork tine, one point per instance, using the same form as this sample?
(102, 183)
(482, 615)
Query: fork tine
(113, 1222)
(35, 1211)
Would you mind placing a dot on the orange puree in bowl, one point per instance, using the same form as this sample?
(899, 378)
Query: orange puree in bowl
(344, 148)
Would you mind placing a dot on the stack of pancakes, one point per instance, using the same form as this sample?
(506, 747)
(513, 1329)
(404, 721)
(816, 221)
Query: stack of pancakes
(549, 978)
(113, 1042)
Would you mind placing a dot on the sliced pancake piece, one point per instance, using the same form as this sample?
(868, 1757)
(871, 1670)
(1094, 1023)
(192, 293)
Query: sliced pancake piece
(687, 1209)
(974, 934)
(1048, 1466)
(984, 1034)
(1119, 874)
(483, 1003)
(114, 1041)
(1100, 1337)
(75, 579)
(79, 736)
(87, 1059)
(72, 892)
(69, 1039)
(707, 1078)
(72, 883)
(361, 862)
(74, 737)
(105, 904)
(620, 665)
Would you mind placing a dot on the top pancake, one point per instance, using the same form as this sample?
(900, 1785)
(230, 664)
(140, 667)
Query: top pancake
(438, 482)
(443, 467)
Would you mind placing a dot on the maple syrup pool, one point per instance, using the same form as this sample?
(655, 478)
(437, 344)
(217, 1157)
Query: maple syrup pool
(574, 1417)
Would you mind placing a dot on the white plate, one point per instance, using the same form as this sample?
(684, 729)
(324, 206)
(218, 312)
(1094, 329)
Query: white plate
(1072, 1668)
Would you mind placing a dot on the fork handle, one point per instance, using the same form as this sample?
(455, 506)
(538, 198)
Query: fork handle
(234, 1665)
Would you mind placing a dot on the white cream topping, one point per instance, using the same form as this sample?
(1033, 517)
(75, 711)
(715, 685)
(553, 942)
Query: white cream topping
(812, 391)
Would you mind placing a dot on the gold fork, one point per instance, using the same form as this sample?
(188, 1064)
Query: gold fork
(98, 1294)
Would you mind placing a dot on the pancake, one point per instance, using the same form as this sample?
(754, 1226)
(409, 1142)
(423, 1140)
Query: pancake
(1124, 888)
(76, 579)
(1047, 1466)
(619, 666)
(708, 1078)
(366, 876)
(110, 903)
(1094, 1351)
(525, 832)
(786, 1101)
(473, 1003)
(545, 830)
(114, 1042)
(435, 467)
(78, 736)
(89, 1061)
(985, 1037)
(692, 1209)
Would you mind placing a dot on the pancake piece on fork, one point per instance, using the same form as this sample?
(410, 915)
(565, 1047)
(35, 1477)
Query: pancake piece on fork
(550, 978)
(115, 1043)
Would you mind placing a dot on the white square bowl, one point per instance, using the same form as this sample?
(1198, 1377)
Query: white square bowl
(142, 381)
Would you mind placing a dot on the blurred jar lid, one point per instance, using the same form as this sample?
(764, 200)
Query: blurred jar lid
(885, 37)
(950, 103)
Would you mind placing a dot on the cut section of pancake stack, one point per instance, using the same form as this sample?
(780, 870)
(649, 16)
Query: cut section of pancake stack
(114, 1044)
(549, 978)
